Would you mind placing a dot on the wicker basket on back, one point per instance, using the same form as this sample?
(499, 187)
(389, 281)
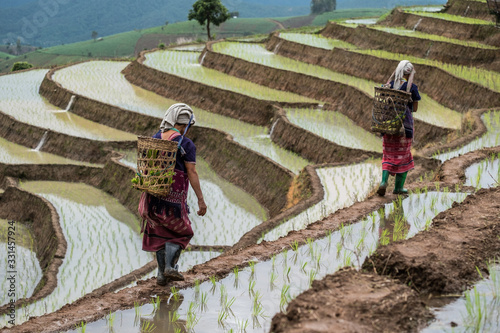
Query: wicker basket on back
(155, 165)
(389, 108)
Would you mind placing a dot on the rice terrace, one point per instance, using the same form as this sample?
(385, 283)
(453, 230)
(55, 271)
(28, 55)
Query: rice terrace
(296, 237)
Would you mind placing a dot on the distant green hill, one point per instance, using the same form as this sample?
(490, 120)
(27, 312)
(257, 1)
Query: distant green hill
(54, 22)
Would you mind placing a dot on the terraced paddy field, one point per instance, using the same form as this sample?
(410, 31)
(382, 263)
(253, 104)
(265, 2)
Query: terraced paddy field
(429, 110)
(20, 99)
(378, 263)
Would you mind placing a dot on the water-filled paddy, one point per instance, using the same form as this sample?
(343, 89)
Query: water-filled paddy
(490, 139)
(477, 310)
(335, 127)
(11, 153)
(103, 243)
(247, 299)
(343, 187)
(19, 98)
(453, 18)
(27, 267)
(489, 79)
(103, 81)
(484, 174)
(185, 65)
(429, 110)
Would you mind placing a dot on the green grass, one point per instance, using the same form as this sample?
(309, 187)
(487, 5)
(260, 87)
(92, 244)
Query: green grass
(5, 56)
(348, 13)
(453, 18)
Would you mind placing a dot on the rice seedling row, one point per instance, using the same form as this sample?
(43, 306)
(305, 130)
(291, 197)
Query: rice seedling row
(103, 244)
(429, 110)
(103, 81)
(484, 174)
(453, 18)
(477, 310)
(28, 268)
(490, 139)
(19, 98)
(248, 298)
(185, 64)
(485, 78)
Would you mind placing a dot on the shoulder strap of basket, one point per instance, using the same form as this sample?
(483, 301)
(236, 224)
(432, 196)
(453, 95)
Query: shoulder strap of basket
(183, 134)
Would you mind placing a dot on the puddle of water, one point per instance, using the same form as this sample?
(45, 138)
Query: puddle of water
(490, 139)
(185, 64)
(413, 33)
(428, 109)
(316, 40)
(477, 311)
(231, 211)
(343, 187)
(11, 153)
(27, 268)
(248, 300)
(362, 21)
(484, 174)
(103, 81)
(103, 243)
(335, 127)
(19, 98)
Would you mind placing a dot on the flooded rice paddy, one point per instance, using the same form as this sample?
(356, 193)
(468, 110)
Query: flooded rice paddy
(490, 139)
(11, 153)
(429, 110)
(186, 65)
(335, 127)
(247, 299)
(484, 174)
(103, 243)
(20, 99)
(477, 310)
(103, 81)
(28, 271)
(488, 79)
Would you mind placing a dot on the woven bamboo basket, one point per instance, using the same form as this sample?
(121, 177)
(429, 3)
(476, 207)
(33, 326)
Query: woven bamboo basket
(389, 109)
(155, 165)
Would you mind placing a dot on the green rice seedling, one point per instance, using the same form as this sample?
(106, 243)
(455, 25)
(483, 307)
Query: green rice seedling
(173, 317)
(285, 297)
(147, 327)
(175, 294)
(242, 325)
(137, 308)
(223, 294)
(273, 279)
(222, 316)
(384, 238)
(476, 307)
(236, 272)
(213, 280)
(312, 277)
(82, 327)
(251, 287)
(196, 287)
(251, 264)
(257, 308)
(191, 319)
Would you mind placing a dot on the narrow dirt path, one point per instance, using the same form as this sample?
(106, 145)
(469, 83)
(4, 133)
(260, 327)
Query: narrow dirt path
(278, 23)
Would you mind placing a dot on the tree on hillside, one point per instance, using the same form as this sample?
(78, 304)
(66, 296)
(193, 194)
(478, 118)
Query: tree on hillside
(94, 35)
(209, 11)
(322, 6)
(19, 47)
(18, 66)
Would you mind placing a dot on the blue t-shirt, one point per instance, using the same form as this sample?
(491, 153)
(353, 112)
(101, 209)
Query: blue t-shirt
(189, 148)
(415, 96)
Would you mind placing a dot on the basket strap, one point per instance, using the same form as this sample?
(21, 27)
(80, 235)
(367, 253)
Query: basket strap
(183, 134)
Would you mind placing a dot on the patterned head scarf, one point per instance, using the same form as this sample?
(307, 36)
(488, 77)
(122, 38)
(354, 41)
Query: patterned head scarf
(179, 113)
(404, 67)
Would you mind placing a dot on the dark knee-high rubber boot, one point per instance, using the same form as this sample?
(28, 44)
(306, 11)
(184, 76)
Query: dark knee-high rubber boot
(172, 253)
(161, 280)
(400, 182)
(383, 184)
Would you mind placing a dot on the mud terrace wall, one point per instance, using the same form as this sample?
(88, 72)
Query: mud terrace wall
(50, 244)
(267, 181)
(461, 96)
(469, 8)
(314, 147)
(227, 103)
(487, 34)
(367, 38)
(75, 148)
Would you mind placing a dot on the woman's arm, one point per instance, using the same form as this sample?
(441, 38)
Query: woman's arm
(415, 106)
(195, 183)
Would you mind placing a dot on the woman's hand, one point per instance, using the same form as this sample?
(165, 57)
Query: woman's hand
(202, 207)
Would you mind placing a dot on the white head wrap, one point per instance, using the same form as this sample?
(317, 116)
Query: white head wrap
(404, 67)
(179, 113)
